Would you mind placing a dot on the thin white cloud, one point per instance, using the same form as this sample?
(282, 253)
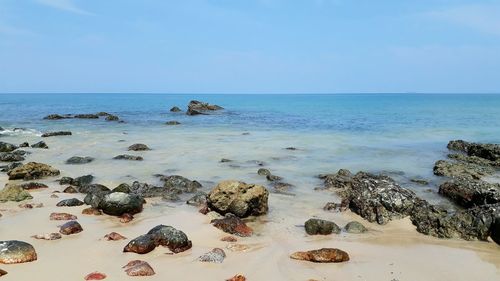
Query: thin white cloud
(65, 5)
(12, 30)
(482, 18)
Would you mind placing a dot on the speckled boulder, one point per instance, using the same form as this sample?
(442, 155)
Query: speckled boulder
(14, 251)
(32, 170)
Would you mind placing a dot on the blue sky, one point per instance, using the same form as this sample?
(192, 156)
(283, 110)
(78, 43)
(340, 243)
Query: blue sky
(260, 46)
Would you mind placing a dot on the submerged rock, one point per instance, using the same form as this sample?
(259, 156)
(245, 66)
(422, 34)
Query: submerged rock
(161, 235)
(47, 236)
(14, 251)
(199, 199)
(58, 133)
(239, 198)
(40, 144)
(79, 160)
(138, 268)
(172, 123)
(486, 151)
(233, 225)
(112, 117)
(128, 157)
(355, 227)
(237, 277)
(138, 147)
(263, 172)
(217, 255)
(322, 227)
(70, 189)
(86, 116)
(57, 117)
(175, 109)
(82, 181)
(71, 227)
(180, 184)
(92, 211)
(197, 107)
(31, 171)
(14, 193)
(69, 203)
(32, 185)
(10, 167)
(7, 147)
(3, 272)
(322, 255)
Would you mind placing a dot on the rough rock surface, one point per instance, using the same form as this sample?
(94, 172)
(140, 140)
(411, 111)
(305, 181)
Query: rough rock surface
(175, 109)
(197, 107)
(217, 255)
(138, 268)
(95, 276)
(79, 160)
(58, 133)
(128, 157)
(322, 227)
(469, 193)
(40, 144)
(239, 198)
(47, 236)
(355, 227)
(10, 157)
(233, 225)
(138, 147)
(7, 147)
(14, 193)
(31, 171)
(160, 235)
(461, 169)
(114, 236)
(172, 123)
(62, 217)
(119, 203)
(486, 151)
(14, 251)
(69, 202)
(322, 255)
(71, 227)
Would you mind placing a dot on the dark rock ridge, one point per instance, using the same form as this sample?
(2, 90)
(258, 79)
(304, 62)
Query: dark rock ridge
(378, 198)
(172, 123)
(161, 235)
(10, 157)
(469, 193)
(487, 151)
(108, 116)
(58, 133)
(7, 147)
(128, 157)
(79, 181)
(31, 171)
(197, 107)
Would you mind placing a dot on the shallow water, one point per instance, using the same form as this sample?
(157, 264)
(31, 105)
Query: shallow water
(402, 135)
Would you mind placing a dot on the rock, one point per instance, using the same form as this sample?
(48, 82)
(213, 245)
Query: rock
(82, 181)
(70, 189)
(175, 109)
(474, 160)
(32, 185)
(40, 144)
(59, 133)
(461, 169)
(125, 188)
(47, 236)
(341, 180)
(495, 230)
(336, 207)
(95, 276)
(79, 160)
(14, 193)
(234, 247)
(138, 147)
(69, 203)
(458, 145)
(54, 196)
(323, 227)
(419, 181)
(291, 148)
(486, 151)
(71, 227)
(263, 172)
(128, 157)
(114, 236)
(322, 255)
(238, 198)
(172, 123)
(199, 199)
(24, 144)
(57, 117)
(31, 171)
(14, 251)
(30, 206)
(468, 193)
(65, 180)
(92, 211)
(179, 183)
(229, 239)
(233, 225)
(355, 227)
(111, 117)
(119, 203)
(10, 167)
(217, 255)
(126, 218)
(225, 160)
(237, 277)
(138, 268)
(7, 147)
(86, 116)
(3, 272)
(10, 157)
(273, 178)
(62, 217)
(196, 107)
(166, 236)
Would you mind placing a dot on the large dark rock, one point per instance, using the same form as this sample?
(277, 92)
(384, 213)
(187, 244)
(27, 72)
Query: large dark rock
(175, 109)
(86, 116)
(119, 203)
(57, 117)
(10, 157)
(239, 198)
(112, 117)
(469, 193)
(197, 107)
(461, 169)
(138, 147)
(79, 160)
(7, 147)
(82, 181)
(161, 235)
(14, 251)
(58, 133)
(180, 183)
(32, 170)
(483, 150)
(69, 203)
(40, 144)
(71, 227)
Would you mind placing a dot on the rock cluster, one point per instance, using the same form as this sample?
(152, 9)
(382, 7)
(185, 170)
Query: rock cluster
(197, 107)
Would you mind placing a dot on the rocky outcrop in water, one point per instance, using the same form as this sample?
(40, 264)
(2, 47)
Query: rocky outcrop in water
(128, 157)
(175, 109)
(76, 160)
(197, 107)
(238, 198)
(14, 251)
(40, 144)
(7, 147)
(161, 235)
(172, 123)
(58, 133)
(461, 169)
(138, 147)
(483, 150)
(469, 193)
(10, 157)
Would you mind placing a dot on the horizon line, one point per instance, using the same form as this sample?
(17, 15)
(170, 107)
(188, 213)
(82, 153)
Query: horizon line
(257, 93)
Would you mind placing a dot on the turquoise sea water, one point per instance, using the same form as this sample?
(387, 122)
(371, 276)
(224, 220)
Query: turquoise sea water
(399, 133)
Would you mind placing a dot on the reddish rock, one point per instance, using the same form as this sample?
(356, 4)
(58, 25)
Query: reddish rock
(138, 268)
(204, 209)
(33, 185)
(3, 272)
(126, 218)
(237, 277)
(229, 239)
(30, 205)
(233, 225)
(48, 236)
(95, 276)
(62, 217)
(114, 236)
(322, 255)
(92, 211)
(71, 227)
